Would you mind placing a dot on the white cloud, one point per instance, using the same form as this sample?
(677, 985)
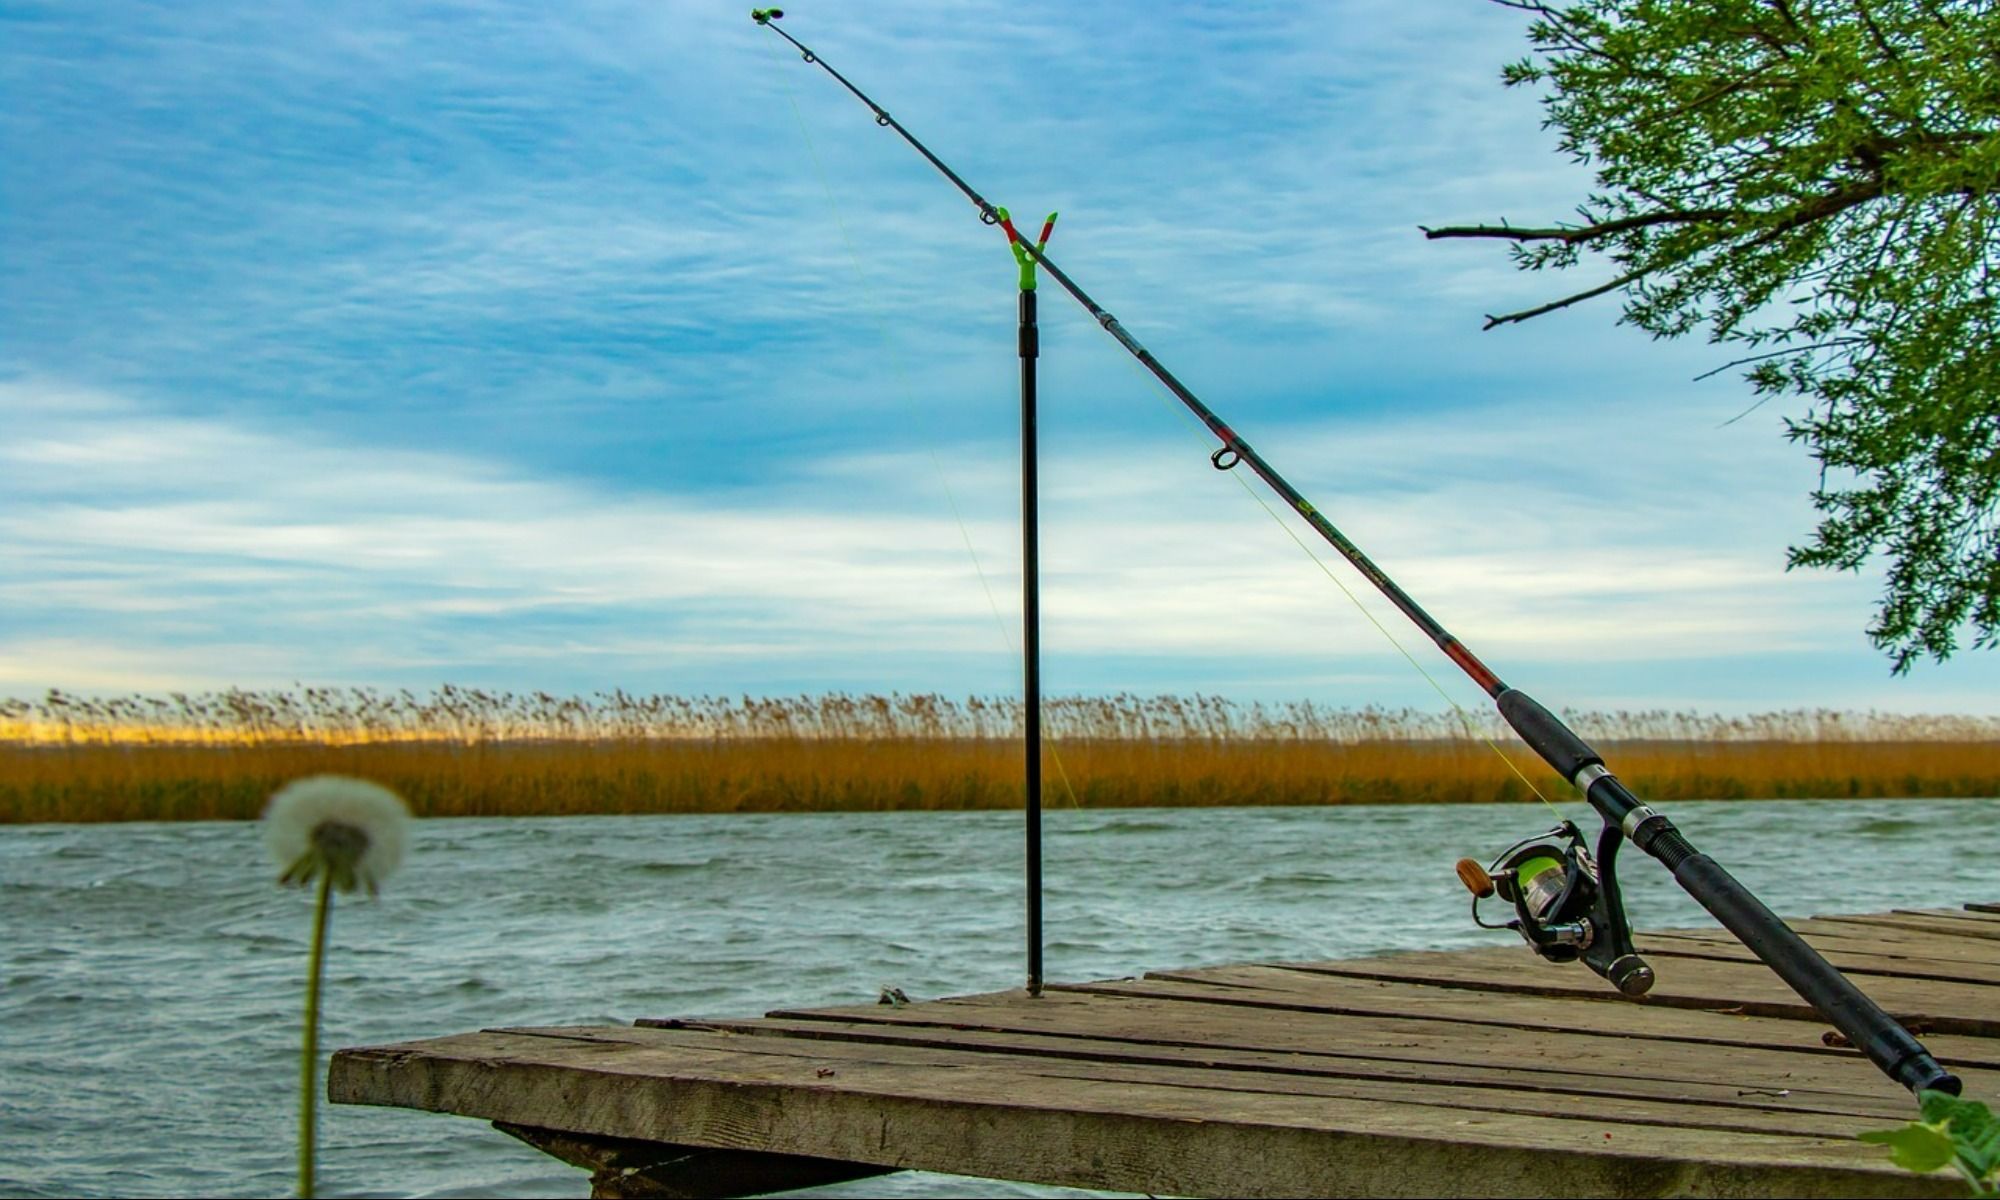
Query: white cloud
(205, 551)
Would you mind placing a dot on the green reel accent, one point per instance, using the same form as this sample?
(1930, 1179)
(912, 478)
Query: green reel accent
(1526, 872)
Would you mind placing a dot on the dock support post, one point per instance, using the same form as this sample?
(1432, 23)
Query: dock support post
(629, 1169)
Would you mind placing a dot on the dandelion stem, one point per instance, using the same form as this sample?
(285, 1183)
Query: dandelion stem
(309, 1055)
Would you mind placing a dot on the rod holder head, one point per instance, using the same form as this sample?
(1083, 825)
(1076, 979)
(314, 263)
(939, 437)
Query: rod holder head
(764, 16)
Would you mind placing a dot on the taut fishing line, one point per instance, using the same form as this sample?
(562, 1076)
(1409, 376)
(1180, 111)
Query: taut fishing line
(1567, 903)
(1464, 718)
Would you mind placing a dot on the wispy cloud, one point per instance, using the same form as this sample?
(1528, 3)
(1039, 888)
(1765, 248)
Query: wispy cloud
(215, 552)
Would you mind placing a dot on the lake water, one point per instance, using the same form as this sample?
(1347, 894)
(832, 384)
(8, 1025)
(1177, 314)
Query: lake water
(150, 975)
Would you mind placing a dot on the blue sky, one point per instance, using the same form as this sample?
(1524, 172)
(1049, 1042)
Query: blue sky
(607, 344)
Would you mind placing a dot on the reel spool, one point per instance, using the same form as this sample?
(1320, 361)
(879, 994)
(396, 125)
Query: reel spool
(1566, 902)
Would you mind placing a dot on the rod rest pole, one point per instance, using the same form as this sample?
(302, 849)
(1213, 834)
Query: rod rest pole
(1877, 1034)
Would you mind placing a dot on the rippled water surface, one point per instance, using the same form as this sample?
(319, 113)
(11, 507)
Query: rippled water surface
(150, 974)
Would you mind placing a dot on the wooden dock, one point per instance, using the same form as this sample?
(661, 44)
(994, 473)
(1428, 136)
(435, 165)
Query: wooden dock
(1483, 1072)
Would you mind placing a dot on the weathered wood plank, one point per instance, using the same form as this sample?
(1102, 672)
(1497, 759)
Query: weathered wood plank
(1863, 965)
(1513, 1095)
(1726, 1085)
(1956, 925)
(1865, 939)
(1930, 945)
(1084, 1132)
(1692, 983)
(1268, 987)
(1187, 1022)
(1964, 911)
(1983, 908)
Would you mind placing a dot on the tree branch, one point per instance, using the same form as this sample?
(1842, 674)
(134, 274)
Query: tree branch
(1565, 302)
(1818, 209)
(1583, 233)
(1778, 353)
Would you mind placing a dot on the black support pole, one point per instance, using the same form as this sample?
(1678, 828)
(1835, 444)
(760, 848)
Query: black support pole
(1031, 634)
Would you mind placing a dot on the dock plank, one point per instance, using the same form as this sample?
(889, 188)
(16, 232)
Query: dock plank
(1948, 1007)
(1784, 1093)
(1268, 987)
(1952, 925)
(1898, 941)
(1876, 961)
(1363, 1041)
(1518, 1092)
(1970, 911)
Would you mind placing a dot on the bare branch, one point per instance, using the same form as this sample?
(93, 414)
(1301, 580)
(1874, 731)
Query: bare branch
(1565, 302)
(1756, 404)
(1583, 233)
(1779, 353)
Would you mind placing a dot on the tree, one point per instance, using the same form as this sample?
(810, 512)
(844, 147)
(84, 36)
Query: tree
(1816, 183)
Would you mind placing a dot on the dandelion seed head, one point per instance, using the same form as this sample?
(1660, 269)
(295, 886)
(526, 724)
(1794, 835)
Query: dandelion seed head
(352, 829)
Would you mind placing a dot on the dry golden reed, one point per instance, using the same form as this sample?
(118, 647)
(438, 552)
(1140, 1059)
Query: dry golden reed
(466, 752)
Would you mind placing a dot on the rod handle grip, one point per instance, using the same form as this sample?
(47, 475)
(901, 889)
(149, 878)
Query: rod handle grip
(1546, 734)
(1872, 1031)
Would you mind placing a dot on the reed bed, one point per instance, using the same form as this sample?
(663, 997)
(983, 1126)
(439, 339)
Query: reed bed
(468, 752)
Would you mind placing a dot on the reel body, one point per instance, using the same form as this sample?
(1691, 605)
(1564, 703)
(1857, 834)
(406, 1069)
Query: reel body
(1566, 902)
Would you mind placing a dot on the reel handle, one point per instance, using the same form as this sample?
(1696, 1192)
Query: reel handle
(1475, 878)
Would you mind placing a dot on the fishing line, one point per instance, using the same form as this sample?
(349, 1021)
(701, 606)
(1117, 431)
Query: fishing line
(897, 368)
(1464, 718)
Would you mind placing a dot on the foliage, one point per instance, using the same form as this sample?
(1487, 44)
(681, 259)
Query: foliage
(1950, 1132)
(1816, 182)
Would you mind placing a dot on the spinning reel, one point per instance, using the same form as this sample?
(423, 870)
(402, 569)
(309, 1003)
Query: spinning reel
(1566, 902)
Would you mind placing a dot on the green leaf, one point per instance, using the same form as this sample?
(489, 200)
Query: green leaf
(1916, 1146)
(1940, 1107)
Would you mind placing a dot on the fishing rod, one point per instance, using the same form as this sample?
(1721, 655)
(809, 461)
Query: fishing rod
(1566, 898)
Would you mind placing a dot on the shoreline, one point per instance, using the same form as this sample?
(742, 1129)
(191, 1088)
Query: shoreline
(92, 783)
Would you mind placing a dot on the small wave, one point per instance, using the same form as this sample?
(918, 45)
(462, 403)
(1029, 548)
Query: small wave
(673, 868)
(257, 941)
(1133, 825)
(1310, 879)
(1888, 826)
(904, 854)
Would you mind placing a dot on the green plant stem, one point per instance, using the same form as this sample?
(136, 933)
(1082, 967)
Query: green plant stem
(309, 1055)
